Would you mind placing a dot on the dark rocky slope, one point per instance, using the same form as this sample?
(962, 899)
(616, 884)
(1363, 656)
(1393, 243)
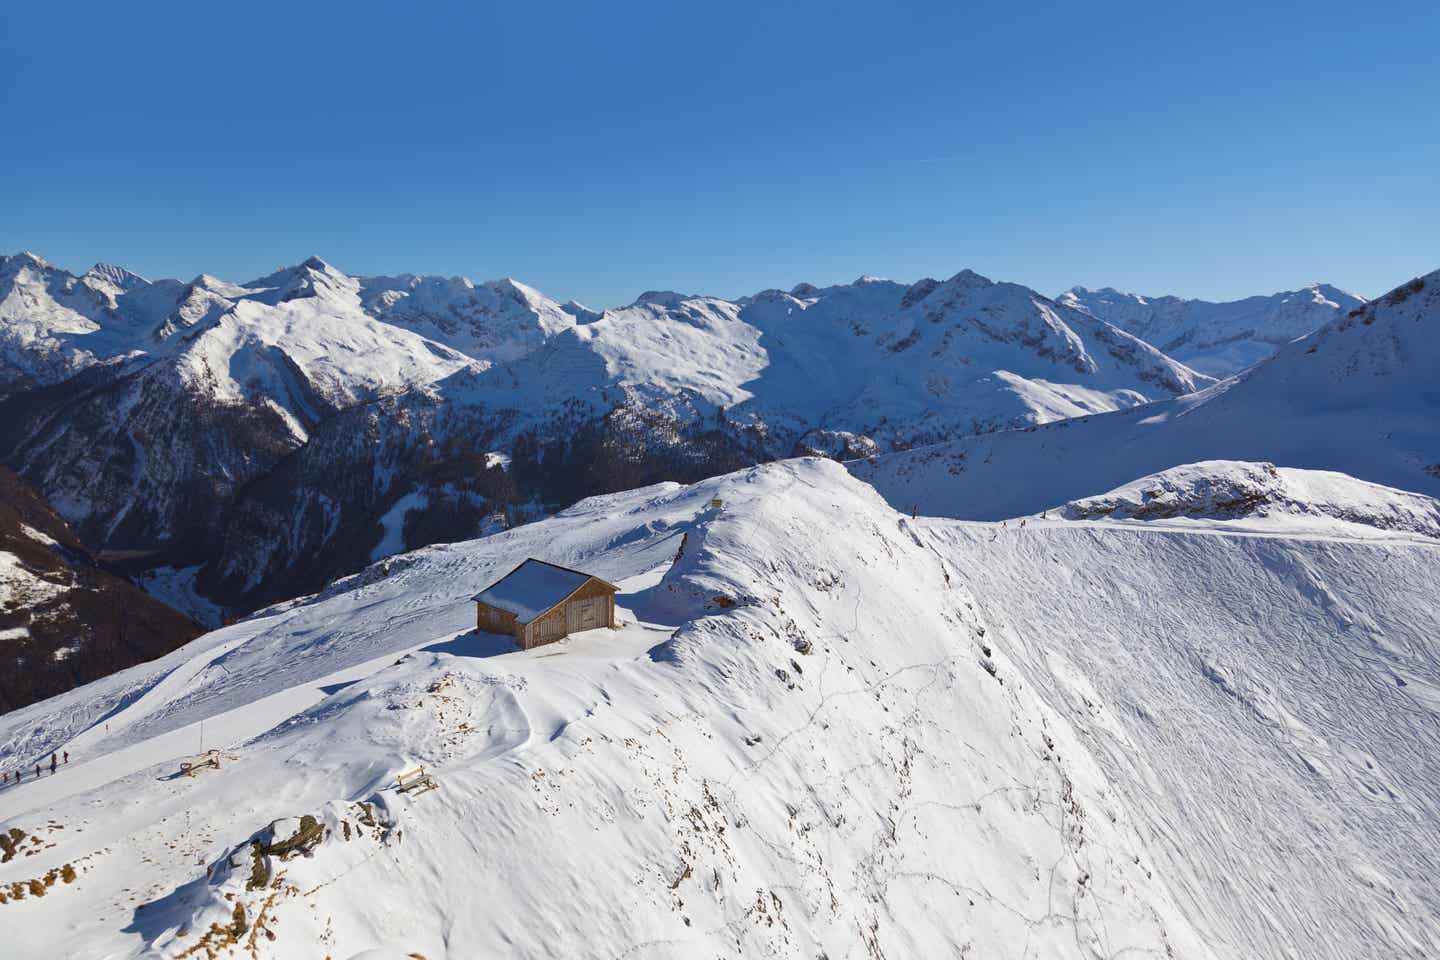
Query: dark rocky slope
(64, 618)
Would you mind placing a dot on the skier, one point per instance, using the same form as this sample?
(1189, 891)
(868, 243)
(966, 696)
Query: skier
(37, 771)
(54, 762)
(6, 777)
(67, 756)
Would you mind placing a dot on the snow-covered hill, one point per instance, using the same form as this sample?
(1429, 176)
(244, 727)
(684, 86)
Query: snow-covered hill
(1357, 396)
(1217, 338)
(824, 729)
(1230, 490)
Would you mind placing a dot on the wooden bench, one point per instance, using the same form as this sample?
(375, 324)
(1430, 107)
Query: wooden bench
(415, 782)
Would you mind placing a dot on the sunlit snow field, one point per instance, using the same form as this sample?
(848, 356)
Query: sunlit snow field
(824, 728)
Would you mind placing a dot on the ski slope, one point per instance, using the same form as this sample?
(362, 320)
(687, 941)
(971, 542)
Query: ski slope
(823, 729)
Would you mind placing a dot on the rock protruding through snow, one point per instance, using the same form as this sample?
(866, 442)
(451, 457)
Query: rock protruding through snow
(1223, 489)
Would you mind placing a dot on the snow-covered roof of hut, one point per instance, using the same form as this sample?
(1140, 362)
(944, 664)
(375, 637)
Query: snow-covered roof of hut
(532, 588)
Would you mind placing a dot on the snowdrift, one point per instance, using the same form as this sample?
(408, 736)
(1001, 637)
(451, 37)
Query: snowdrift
(825, 729)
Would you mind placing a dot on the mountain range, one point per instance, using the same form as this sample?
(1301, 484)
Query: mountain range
(230, 445)
(1219, 339)
(1155, 673)
(1358, 397)
(270, 435)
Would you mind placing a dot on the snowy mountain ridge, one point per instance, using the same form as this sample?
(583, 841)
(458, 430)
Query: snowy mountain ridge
(1356, 397)
(824, 728)
(1230, 490)
(1219, 339)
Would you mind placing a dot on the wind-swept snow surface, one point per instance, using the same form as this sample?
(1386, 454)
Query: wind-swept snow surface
(1268, 706)
(824, 729)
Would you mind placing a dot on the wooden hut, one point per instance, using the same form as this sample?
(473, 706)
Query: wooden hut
(540, 602)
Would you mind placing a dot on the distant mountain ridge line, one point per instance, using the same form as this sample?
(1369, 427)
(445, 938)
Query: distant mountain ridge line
(1218, 338)
(304, 418)
(1355, 397)
(112, 271)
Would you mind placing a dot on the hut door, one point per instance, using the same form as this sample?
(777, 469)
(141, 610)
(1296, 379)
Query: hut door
(586, 614)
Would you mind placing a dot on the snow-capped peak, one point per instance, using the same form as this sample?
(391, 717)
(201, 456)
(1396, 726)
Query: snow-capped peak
(523, 294)
(308, 268)
(968, 278)
(663, 298)
(14, 263)
(580, 312)
(312, 277)
(1356, 396)
(117, 277)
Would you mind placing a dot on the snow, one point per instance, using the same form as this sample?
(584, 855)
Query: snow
(258, 366)
(532, 588)
(39, 536)
(1250, 492)
(343, 355)
(1355, 397)
(900, 364)
(175, 586)
(238, 377)
(1247, 695)
(824, 729)
(495, 322)
(309, 338)
(52, 325)
(20, 587)
(393, 524)
(1220, 339)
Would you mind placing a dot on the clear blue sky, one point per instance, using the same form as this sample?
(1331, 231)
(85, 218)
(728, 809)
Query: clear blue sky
(596, 150)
